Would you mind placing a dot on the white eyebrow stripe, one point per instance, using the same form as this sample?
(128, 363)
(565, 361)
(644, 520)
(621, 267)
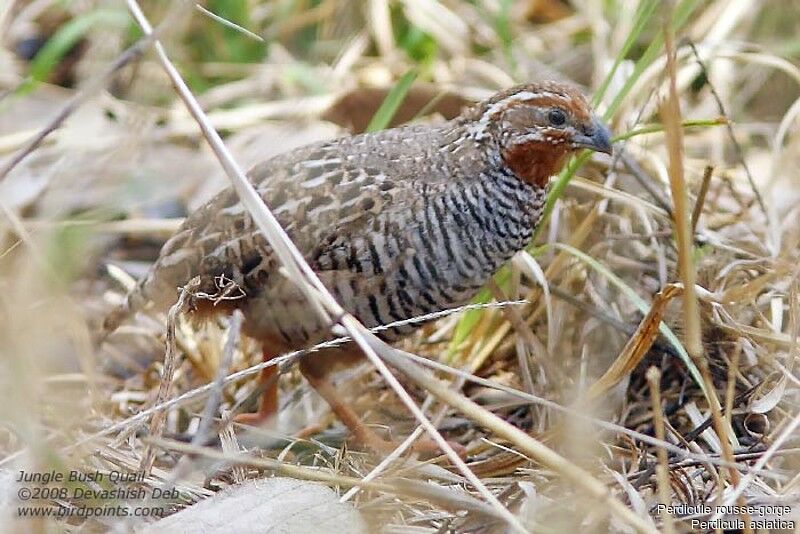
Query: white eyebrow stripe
(522, 97)
(479, 129)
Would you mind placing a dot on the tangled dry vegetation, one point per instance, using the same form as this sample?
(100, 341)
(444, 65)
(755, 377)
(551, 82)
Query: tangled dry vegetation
(619, 411)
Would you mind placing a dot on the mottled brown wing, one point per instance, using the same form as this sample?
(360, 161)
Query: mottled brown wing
(322, 196)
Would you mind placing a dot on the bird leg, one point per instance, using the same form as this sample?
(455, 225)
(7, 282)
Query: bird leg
(268, 405)
(315, 370)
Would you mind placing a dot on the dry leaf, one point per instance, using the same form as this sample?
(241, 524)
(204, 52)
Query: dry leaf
(767, 394)
(638, 344)
(279, 505)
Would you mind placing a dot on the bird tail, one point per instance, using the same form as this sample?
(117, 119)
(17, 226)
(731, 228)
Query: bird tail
(151, 294)
(177, 264)
(134, 302)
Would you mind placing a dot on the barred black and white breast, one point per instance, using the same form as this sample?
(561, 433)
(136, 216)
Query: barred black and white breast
(397, 223)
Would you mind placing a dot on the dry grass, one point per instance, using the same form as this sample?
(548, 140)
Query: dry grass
(552, 444)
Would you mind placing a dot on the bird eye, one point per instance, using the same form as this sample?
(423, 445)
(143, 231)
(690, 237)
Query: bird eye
(557, 117)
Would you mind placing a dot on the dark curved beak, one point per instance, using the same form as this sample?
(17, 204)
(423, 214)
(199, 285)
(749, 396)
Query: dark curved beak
(596, 137)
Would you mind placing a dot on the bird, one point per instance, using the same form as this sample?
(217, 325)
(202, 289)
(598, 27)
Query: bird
(397, 224)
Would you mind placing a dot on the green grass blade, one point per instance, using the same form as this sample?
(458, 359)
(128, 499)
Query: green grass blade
(644, 13)
(471, 317)
(392, 102)
(68, 35)
(687, 123)
(680, 17)
(467, 322)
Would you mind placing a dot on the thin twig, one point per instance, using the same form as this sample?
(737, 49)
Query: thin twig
(662, 469)
(730, 389)
(671, 117)
(213, 402)
(645, 181)
(701, 197)
(526, 332)
(722, 430)
(211, 406)
(728, 124)
(164, 386)
(227, 23)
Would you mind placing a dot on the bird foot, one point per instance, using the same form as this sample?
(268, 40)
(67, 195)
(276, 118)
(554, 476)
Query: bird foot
(252, 419)
(425, 447)
(430, 449)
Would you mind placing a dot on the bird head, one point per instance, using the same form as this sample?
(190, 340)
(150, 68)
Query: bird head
(535, 127)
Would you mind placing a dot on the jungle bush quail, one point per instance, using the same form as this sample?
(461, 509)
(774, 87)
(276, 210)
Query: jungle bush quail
(397, 224)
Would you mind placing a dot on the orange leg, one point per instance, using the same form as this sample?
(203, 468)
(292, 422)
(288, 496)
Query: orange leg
(315, 369)
(268, 406)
